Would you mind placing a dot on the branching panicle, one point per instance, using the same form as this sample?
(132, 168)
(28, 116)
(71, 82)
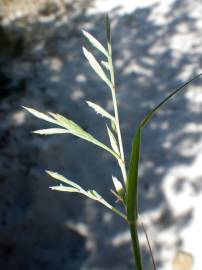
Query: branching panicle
(126, 190)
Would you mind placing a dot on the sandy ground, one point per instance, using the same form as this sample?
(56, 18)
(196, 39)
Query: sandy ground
(157, 47)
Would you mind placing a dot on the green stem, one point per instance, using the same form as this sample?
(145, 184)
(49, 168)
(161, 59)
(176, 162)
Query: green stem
(132, 199)
(116, 114)
(136, 246)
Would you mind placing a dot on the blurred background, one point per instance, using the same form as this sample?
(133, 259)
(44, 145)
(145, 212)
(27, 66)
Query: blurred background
(157, 46)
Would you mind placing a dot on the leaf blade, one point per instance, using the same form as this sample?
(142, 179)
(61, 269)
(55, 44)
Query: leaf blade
(132, 181)
(172, 94)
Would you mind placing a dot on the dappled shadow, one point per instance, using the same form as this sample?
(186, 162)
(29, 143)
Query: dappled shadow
(152, 56)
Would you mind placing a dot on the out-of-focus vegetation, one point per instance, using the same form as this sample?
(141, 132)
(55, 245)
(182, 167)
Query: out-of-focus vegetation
(15, 37)
(22, 24)
(13, 8)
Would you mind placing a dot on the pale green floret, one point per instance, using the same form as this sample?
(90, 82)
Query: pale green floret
(99, 110)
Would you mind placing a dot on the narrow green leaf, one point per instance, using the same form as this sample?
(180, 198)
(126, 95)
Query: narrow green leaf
(61, 178)
(50, 131)
(132, 184)
(98, 109)
(95, 43)
(40, 115)
(96, 66)
(65, 189)
(113, 141)
(132, 181)
(172, 94)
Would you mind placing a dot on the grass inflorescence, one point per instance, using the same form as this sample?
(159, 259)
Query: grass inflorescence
(125, 189)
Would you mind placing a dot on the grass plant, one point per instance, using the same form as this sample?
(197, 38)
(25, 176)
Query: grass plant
(126, 189)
